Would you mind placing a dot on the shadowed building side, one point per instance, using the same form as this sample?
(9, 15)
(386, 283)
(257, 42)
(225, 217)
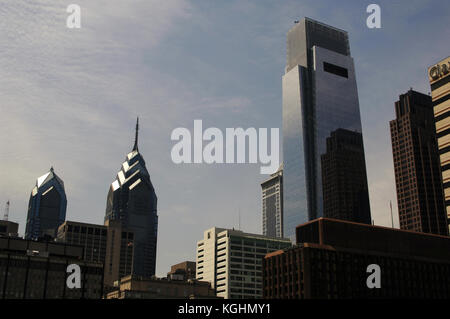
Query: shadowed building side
(420, 195)
(344, 179)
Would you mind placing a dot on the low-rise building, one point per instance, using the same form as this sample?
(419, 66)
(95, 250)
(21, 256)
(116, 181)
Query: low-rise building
(333, 259)
(8, 228)
(135, 287)
(38, 270)
(182, 271)
(231, 261)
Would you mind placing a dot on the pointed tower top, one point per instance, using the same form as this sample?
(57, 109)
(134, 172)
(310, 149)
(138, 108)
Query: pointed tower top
(135, 148)
(51, 169)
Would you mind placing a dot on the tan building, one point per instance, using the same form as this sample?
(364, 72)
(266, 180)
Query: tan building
(231, 261)
(439, 77)
(135, 287)
(119, 252)
(182, 271)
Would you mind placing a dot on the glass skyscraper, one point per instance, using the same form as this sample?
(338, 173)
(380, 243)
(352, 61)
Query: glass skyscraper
(319, 97)
(47, 207)
(132, 200)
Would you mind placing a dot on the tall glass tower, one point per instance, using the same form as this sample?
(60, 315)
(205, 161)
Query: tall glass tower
(132, 200)
(47, 207)
(320, 97)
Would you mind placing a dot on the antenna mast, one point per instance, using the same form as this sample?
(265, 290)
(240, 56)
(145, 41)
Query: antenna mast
(5, 217)
(239, 225)
(392, 218)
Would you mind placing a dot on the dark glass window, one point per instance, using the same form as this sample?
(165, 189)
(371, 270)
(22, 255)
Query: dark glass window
(440, 83)
(335, 69)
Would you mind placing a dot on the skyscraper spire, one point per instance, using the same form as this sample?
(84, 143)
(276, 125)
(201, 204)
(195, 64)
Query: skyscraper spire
(135, 148)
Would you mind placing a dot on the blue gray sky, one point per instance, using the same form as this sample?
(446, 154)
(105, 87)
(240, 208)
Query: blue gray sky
(69, 98)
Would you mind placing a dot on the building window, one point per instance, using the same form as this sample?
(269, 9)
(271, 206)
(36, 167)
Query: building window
(335, 69)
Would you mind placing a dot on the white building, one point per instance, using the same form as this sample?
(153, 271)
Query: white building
(231, 261)
(272, 204)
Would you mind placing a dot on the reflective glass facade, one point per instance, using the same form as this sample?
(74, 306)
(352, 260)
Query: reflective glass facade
(132, 200)
(319, 97)
(47, 207)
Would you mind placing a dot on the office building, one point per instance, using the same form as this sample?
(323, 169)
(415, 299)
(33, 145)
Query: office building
(108, 244)
(272, 204)
(416, 164)
(119, 257)
(439, 77)
(331, 260)
(182, 271)
(135, 287)
(231, 261)
(132, 201)
(344, 179)
(90, 236)
(46, 207)
(38, 270)
(8, 228)
(319, 97)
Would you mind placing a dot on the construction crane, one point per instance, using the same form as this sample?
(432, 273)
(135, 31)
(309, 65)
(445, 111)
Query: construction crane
(5, 217)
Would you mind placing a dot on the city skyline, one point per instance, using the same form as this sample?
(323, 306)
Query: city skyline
(93, 82)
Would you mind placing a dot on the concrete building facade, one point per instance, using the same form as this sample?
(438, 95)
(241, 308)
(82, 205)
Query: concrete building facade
(182, 271)
(331, 260)
(272, 204)
(38, 270)
(135, 287)
(439, 77)
(231, 261)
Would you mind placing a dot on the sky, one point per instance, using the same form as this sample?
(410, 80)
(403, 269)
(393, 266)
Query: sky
(69, 98)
